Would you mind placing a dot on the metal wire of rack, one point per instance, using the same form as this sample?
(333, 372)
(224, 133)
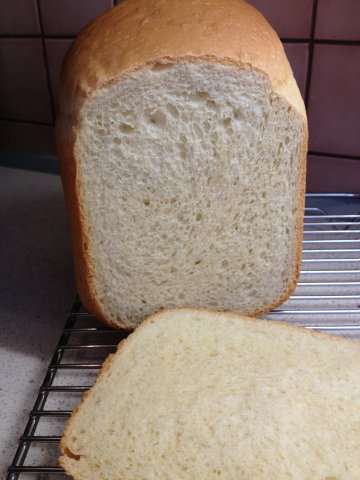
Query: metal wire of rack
(327, 298)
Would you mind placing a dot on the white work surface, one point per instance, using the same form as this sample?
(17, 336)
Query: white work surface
(36, 292)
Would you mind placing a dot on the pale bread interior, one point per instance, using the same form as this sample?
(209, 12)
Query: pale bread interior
(189, 178)
(202, 395)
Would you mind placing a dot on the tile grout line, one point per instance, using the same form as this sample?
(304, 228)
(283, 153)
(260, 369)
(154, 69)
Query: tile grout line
(319, 41)
(311, 53)
(334, 155)
(30, 35)
(28, 122)
(52, 103)
(322, 41)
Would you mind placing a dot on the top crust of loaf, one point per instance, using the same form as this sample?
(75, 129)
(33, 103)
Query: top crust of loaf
(141, 32)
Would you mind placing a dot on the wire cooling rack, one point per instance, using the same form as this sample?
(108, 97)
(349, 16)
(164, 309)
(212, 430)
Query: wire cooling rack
(327, 298)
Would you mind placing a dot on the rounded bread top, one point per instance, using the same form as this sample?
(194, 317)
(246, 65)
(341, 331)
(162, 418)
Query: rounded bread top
(137, 33)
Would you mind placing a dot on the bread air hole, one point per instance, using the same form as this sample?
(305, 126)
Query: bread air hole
(172, 110)
(211, 104)
(238, 115)
(159, 67)
(146, 202)
(182, 149)
(203, 95)
(197, 130)
(101, 132)
(126, 128)
(70, 454)
(157, 119)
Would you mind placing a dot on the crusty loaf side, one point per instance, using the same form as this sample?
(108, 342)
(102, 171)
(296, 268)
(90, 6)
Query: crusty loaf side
(159, 45)
(199, 394)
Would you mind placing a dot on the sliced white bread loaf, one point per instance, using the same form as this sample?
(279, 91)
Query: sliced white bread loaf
(194, 394)
(182, 137)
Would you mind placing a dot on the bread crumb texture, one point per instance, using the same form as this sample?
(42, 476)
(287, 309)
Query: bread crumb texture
(190, 180)
(205, 395)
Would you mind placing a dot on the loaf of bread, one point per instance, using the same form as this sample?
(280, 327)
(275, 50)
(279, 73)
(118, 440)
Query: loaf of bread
(182, 137)
(194, 394)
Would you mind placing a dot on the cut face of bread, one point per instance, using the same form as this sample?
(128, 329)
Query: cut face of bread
(209, 395)
(190, 179)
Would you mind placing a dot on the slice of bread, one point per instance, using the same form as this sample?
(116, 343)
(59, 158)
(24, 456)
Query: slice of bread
(182, 137)
(194, 394)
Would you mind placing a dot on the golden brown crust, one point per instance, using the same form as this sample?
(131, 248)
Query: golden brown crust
(141, 33)
(258, 321)
(64, 449)
(65, 140)
(299, 230)
(65, 143)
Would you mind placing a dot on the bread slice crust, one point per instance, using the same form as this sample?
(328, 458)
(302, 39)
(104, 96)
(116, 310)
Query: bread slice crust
(69, 459)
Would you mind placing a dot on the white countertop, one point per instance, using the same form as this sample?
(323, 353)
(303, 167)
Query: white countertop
(36, 292)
